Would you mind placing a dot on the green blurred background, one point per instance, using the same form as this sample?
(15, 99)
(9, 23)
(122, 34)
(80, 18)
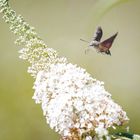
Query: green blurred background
(61, 23)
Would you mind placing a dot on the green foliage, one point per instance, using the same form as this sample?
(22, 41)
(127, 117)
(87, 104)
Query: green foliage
(127, 136)
(101, 7)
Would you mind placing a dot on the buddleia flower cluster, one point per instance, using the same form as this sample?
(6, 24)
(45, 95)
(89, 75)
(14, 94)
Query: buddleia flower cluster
(74, 104)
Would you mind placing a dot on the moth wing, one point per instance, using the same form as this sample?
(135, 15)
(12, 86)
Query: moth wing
(98, 34)
(108, 42)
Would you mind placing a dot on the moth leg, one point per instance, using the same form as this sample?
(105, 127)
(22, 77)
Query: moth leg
(87, 50)
(98, 51)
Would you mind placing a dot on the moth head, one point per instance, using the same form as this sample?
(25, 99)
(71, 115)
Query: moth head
(94, 43)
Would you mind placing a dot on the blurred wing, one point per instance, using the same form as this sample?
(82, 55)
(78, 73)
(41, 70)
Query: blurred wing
(98, 34)
(108, 42)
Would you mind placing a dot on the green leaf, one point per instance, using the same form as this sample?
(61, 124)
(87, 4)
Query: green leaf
(127, 136)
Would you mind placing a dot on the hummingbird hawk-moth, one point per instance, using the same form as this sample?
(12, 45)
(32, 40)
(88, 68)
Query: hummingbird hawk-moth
(101, 46)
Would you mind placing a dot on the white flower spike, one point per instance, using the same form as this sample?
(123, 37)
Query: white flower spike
(74, 104)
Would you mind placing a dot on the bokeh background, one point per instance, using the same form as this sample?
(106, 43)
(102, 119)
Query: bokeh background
(61, 24)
